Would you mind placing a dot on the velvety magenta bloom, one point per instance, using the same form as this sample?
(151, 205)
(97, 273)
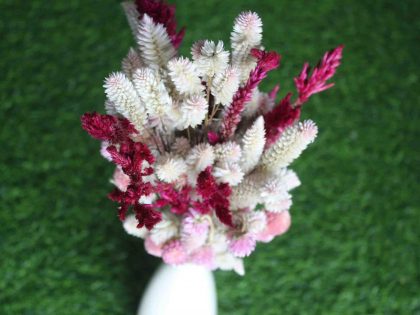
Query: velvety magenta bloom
(152, 248)
(120, 180)
(277, 224)
(267, 61)
(173, 253)
(242, 246)
(203, 256)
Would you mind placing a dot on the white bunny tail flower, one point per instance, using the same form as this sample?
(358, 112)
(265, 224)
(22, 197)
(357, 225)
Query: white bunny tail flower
(253, 145)
(132, 15)
(247, 30)
(170, 167)
(130, 226)
(200, 156)
(154, 43)
(246, 34)
(210, 58)
(184, 75)
(289, 146)
(154, 95)
(122, 93)
(228, 173)
(163, 231)
(192, 111)
(131, 63)
(229, 152)
(246, 194)
(224, 85)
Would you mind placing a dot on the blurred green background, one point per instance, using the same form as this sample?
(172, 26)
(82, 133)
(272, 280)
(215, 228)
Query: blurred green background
(354, 244)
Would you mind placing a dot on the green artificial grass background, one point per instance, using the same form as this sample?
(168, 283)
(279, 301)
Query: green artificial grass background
(354, 244)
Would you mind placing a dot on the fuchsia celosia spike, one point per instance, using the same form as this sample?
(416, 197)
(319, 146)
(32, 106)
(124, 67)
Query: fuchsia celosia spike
(307, 86)
(266, 61)
(162, 13)
(287, 113)
(107, 127)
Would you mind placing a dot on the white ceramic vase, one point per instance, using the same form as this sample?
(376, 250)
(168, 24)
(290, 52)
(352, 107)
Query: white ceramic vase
(180, 290)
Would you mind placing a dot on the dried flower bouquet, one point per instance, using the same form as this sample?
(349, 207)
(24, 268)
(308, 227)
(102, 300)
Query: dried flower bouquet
(202, 155)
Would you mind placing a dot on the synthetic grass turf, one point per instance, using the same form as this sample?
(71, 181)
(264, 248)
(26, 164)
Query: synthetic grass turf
(354, 244)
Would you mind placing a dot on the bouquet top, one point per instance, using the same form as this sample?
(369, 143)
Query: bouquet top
(202, 155)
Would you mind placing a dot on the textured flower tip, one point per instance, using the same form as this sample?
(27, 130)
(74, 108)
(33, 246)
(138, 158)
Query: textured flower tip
(196, 49)
(174, 253)
(317, 82)
(309, 130)
(253, 145)
(131, 63)
(277, 224)
(170, 167)
(267, 60)
(228, 152)
(247, 28)
(154, 95)
(132, 15)
(122, 93)
(290, 145)
(152, 248)
(184, 75)
(130, 226)
(154, 43)
(229, 173)
(193, 111)
(164, 14)
(242, 246)
(120, 180)
(210, 58)
(224, 85)
(200, 157)
(101, 127)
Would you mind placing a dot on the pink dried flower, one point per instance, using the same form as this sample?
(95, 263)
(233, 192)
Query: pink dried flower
(194, 225)
(243, 245)
(152, 248)
(104, 152)
(266, 61)
(307, 85)
(277, 224)
(120, 180)
(173, 253)
(203, 256)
